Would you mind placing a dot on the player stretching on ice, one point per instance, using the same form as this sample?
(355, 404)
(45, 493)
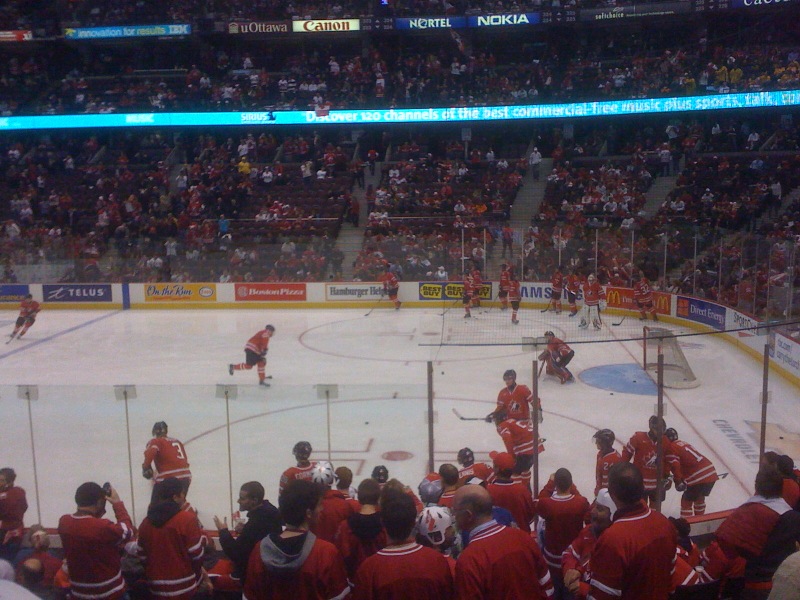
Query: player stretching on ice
(643, 296)
(255, 352)
(28, 309)
(594, 297)
(557, 356)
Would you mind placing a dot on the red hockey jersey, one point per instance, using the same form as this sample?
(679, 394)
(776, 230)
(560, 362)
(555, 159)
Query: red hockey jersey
(407, 571)
(689, 466)
(259, 343)
(169, 458)
(644, 453)
(92, 549)
(517, 402)
(173, 555)
(563, 515)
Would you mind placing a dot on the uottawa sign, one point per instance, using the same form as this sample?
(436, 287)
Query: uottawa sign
(618, 297)
(270, 292)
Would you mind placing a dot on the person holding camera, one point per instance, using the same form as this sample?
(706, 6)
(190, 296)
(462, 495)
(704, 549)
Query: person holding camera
(92, 544)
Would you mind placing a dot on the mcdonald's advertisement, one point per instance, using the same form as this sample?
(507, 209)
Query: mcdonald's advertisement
(450, 291)
(618, 297)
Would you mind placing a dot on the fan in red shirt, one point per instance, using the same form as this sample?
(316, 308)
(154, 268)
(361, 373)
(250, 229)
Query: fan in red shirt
(390, 285)
(13, 506)
(499, 562)
(557, 356)
(28, 309)
(563, 510)
(335, 507)
(575, 559)
(694, 475)
(512, 495)
(255, 352)
(643, 296)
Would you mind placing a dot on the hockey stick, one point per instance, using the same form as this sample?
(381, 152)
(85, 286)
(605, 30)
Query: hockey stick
(369, 312)
(452, 304)
(541, 368)
(9, 339)
(463, 418)
(620, 321)
(722, 475)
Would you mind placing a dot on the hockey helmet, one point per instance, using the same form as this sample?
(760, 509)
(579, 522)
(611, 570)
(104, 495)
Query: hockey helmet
(657, 423)
(430, 490)
(549, 334)
(160, 429)
(466, 457)
(302, 450)
(591, 277)
(605, 436)
(671, 434)
(270, 328)
(433, 523)
(380, 474)
(322, 472)
(510, 373)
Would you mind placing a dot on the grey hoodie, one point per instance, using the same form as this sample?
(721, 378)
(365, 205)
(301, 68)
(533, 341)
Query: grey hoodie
(276, 553)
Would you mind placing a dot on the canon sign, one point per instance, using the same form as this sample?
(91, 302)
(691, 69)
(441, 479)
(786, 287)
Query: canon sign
(315, 26)
(748, 3)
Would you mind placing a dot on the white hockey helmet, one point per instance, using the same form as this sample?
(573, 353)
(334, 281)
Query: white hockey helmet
(591, 277)
(433, 522)
(323, 473)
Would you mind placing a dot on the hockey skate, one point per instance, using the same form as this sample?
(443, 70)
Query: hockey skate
(655, 317)
(596, 325)
(230, 369)
(515, 321)
(572, 314)
(583, 324)
(263, 383)
(467, 316)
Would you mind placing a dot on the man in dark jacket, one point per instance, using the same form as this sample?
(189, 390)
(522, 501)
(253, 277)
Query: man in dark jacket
(362, 534)
(172, 544)
(262, 520)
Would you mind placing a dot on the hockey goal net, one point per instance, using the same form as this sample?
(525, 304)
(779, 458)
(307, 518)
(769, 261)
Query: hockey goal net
(677, 372)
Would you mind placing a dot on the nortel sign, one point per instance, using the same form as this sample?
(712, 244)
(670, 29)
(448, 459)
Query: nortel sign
(326, 25)
(422, 23)
(533, 18)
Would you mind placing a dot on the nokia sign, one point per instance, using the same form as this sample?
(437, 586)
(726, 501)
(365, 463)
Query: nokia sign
(504, 20)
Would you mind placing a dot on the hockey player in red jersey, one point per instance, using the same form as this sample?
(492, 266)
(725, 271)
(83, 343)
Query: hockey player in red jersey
(390, 285)
(514, 296)
(607, 457)
(594, 297)
(505, 278)
(517, 437)
(255, 352)
(642, 448)
(469, 468)
(303, 470)
(557, 284)
(572, 286)
(557, 356)
(643, 296)
(168, 456)
(28, 309)
(515, 399)
(694, 475)
(472, 290)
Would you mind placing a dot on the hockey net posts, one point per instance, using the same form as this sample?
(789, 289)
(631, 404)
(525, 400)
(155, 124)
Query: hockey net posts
(677, 372)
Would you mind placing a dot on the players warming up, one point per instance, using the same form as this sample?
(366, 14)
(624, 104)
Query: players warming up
(694, 475)
(472, 290)
(505, 281)
(255, 353)
(607, 457)
(514, 297)
(557, 356)
(572, 285)
(558, 287)
(643, 296)
(28, 309)
(594, 297)
(390, 285)
(168, 456)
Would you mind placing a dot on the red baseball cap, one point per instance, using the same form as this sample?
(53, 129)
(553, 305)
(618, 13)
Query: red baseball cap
(502, 460)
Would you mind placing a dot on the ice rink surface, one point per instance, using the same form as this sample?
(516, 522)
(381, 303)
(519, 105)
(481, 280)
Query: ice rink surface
(374, 370)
